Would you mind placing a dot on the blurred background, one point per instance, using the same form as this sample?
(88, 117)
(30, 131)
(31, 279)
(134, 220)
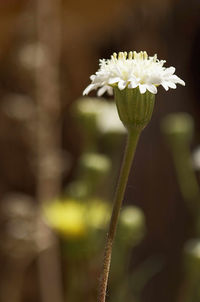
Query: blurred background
(60, 154)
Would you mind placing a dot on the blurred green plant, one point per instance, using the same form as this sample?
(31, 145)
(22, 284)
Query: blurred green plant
(91, 175)
(98, 118)
(81, 225)
(81, 216)
(178, 129)
(131, 231)
(192, 270)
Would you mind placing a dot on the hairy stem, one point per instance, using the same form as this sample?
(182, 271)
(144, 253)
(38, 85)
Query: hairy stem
(133, 136)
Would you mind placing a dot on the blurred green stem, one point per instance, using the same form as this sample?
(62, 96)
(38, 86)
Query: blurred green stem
(186, 176)
(133, 136)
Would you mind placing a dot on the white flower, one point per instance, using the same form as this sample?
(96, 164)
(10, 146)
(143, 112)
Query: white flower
(133, 70)
(108, 120)
(105, 114)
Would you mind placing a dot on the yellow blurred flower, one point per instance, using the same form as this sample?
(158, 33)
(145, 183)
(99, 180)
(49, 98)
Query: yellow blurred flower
(66, 217)
(75, 219)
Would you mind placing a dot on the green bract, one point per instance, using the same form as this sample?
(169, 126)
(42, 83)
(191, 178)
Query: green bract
(135, 109)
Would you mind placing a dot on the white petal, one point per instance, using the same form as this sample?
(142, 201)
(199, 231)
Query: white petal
(171, 85)
(110, 90)
(165, 85)
(154, 79)
(152, 88)
(113, 80)
(92, 77)
(133, 78)
(169, 70)
(88, 89)
(142, 88)
(132, 84)
(101, 91)
(177, 80)
(121, 85)
(181, 82)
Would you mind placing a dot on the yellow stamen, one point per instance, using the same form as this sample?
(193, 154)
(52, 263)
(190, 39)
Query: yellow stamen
(145, 55)
(130, 55)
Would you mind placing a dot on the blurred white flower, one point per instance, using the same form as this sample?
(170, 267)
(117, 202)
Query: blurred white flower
(132, 70)
(108, 120)
(105, 114)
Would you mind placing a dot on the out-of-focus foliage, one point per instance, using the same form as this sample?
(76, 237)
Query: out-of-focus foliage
(76, 219)
(179, 131)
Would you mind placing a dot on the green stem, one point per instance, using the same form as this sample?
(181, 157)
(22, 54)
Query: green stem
(133, 136)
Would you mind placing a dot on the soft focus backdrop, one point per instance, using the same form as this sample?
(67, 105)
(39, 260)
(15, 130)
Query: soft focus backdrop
(60, 154)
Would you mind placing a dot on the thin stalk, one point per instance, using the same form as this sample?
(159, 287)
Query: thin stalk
(132, 140)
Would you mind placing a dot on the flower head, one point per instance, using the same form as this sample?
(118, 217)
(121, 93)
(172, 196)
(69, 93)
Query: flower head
(130, 71)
